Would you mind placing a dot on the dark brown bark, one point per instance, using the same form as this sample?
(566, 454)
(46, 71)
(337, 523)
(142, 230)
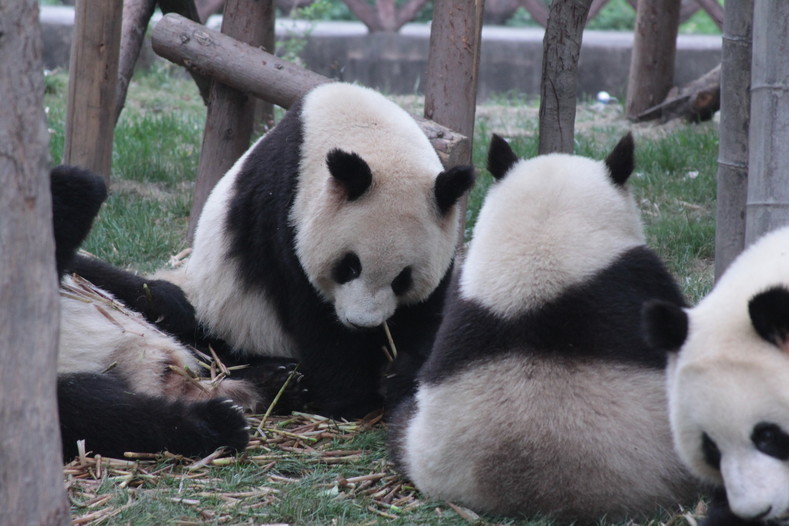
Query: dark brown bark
(654, 50)
(90, 116)
(452, 70)
(231, 113)
(31, 472)
(695, 102)
(561, 50)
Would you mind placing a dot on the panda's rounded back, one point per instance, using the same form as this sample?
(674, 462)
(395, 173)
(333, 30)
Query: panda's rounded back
(551, 222)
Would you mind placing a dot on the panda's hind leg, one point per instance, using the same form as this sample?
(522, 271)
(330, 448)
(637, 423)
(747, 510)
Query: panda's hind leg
(100, 409)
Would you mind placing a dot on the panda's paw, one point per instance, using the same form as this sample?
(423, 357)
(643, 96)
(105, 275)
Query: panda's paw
(222, 424)
(270, 375)
(165, 305)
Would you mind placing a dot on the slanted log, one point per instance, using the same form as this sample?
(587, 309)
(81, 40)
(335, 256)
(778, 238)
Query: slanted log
(264, 75)
(697, 101)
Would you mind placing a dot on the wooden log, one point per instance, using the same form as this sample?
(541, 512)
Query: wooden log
(696, 101)
(231, 113)
(264, 75)
(90, 116)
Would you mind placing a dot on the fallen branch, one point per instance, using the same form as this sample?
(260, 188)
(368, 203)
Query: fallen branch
(263, 75)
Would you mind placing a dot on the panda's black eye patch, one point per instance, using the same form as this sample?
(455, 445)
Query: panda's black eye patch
(712, 455)
(346, 269)
(402, 282)
(771, 440)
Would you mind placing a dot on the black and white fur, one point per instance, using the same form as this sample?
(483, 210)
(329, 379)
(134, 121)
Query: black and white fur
(339, 219)
(728, 384)
(117, 385)
(540, 397)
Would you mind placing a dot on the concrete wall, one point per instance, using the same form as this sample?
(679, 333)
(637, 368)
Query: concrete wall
(396, 63)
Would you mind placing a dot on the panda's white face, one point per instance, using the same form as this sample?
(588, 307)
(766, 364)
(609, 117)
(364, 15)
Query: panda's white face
(548, 223)
(730, 420)
(374, 215)
(728, 384)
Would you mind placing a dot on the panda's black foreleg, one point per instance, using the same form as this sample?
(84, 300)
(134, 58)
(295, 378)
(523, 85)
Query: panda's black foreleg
(162, 303)
(112, 420)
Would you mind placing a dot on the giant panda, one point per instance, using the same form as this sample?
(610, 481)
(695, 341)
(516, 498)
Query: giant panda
(540, 397)
(728, 383)
(123, 383)
(338, 220)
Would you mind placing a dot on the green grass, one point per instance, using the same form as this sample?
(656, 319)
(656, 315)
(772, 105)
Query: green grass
(143, 223)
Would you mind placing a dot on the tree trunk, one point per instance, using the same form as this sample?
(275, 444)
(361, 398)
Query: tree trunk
(273, 79)
(768, 157)
(452, 70)
(654, 50)
(136, 15)
(561, 50)
(31, 475)
(231, 113)
(90, 116)
(732, 178)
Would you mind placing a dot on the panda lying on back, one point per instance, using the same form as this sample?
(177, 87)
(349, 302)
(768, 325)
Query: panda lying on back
(728, 384)
(339, 219)
(540, 397)
(121, 384)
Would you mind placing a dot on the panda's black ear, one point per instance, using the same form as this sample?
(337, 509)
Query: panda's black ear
(351, 171)
(621, 160)
(451, 185)
(769, 312)
(77, 195)
(664, 325)
(500, 157)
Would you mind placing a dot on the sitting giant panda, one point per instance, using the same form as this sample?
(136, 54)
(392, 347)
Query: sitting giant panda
(728, 386)
(338, 220)
(123, 383)
(540, 397)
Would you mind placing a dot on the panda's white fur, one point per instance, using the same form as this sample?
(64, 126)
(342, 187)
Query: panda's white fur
(545, 246)
(513, 415)
(727, 378)
(337, 220)
(395, 225)
(244, 318)
(99, 334)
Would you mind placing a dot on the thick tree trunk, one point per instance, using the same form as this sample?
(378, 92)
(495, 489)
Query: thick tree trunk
(231, 113)
(654, 50)
(561, 50)
(31, 476)
(452, 70)
(768, 156)
(732, 178)
(90, 116)
(273, 79)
